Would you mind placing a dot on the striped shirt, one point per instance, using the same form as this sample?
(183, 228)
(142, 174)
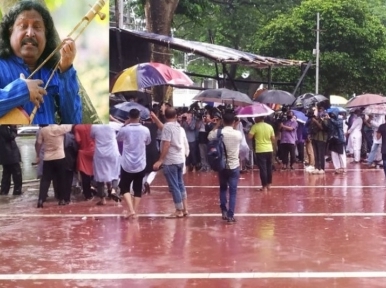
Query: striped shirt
(232, 140)
(64, 86)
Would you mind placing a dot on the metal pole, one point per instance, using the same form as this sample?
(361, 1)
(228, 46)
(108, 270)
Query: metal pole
(317, 55)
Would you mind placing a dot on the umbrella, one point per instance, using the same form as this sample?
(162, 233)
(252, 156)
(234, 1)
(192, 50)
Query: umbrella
(225, 96)
(300, 116)
(309, 100)
(379, 109)
(365, 100)
(276, 97)
(121, 111)
(254, 110)
(146, 75)
(337, 100)
(340, 109)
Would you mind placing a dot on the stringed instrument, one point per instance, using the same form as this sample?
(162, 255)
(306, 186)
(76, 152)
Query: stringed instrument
(18, 115)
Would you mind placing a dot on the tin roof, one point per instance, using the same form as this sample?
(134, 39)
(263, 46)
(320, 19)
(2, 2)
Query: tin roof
(216, 53)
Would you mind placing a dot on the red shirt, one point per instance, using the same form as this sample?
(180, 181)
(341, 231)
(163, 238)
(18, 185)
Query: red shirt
(86, 148)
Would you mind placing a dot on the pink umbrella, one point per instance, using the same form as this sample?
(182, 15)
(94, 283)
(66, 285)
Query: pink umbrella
(365, 100)
(255, 110)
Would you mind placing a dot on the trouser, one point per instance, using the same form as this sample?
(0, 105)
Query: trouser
(264, 162)
(355, 139)
(173, 176)
(319, 153)
(373, 153)
(53, 169)
(192, 157)
(127, 178)
(285, 149)
(384, 162)
(67, 184)
(203, 155)
(14, 171)
(310, 153)
(86, 185)
(228, 178)
(300, 147)
(339, 160)
(100, 186)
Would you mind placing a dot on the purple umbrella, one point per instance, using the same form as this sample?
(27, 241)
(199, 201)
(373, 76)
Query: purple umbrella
(255, 110)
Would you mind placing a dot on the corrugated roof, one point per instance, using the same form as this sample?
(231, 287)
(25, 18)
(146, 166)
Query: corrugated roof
(213, 52)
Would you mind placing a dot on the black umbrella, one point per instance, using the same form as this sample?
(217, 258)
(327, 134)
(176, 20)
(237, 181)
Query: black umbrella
(121, 111)
(225, 96)
(276, 97)
(309, 100)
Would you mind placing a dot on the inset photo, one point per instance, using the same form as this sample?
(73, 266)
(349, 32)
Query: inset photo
(54, 62)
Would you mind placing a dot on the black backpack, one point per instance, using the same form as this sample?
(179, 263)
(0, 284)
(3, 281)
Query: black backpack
(217, 156)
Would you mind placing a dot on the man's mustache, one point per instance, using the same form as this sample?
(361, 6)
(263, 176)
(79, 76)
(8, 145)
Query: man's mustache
(29, 40)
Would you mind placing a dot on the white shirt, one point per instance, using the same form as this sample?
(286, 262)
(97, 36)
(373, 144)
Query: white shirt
(232, 140)
(356, 126)
(135, 137)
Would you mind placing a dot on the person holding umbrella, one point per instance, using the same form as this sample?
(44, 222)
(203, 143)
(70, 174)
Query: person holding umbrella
(336, 141)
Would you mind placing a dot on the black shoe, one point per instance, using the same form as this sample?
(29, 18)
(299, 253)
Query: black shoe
(62, 203)
(231, 220)
(224, 215)
(115, 197)
(3, 193)
(40, 204)
(17, 193)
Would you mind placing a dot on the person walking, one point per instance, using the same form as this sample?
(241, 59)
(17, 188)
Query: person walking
(288, 140)
(135, 138)
(10, 160)
(106, 165)
(336, 142)
(228, 177)
(54, 165)
(172, 159)
(84, 162)
(264, 137)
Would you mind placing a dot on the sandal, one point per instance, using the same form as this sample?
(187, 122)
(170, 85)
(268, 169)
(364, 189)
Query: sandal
(185, 214)
(115, 197)
(175, 215)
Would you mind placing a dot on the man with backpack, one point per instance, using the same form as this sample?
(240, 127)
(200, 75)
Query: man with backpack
(228, 165)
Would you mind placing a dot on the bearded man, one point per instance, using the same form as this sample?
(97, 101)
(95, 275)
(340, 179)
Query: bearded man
(27, 37)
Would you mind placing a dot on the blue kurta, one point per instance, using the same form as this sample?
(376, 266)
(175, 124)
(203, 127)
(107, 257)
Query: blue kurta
(106, 156)
(14, 92)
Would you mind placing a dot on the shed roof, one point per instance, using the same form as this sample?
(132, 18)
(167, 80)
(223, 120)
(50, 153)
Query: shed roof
(216, 53)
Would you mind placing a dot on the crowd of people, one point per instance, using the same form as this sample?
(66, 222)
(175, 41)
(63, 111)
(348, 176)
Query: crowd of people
(125, 157)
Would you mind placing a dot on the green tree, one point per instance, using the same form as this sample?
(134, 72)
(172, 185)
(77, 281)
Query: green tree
(231, 23)
(352, 45)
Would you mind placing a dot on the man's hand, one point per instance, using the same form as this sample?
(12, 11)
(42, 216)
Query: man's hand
(67, 54)
(157, 165)
(36, 92)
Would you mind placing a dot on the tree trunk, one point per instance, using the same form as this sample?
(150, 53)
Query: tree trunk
(89, 114)
(159, 16)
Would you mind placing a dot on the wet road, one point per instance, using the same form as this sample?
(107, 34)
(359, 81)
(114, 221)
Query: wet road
(309, 231)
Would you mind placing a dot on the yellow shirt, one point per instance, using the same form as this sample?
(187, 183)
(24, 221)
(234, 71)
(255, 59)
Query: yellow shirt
(262, 134)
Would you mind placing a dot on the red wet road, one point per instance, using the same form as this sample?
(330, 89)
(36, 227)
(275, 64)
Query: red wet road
(308, 231)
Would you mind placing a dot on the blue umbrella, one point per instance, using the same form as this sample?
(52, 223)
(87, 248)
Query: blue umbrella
(121, 111)
(300, 116)
(339, 109)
